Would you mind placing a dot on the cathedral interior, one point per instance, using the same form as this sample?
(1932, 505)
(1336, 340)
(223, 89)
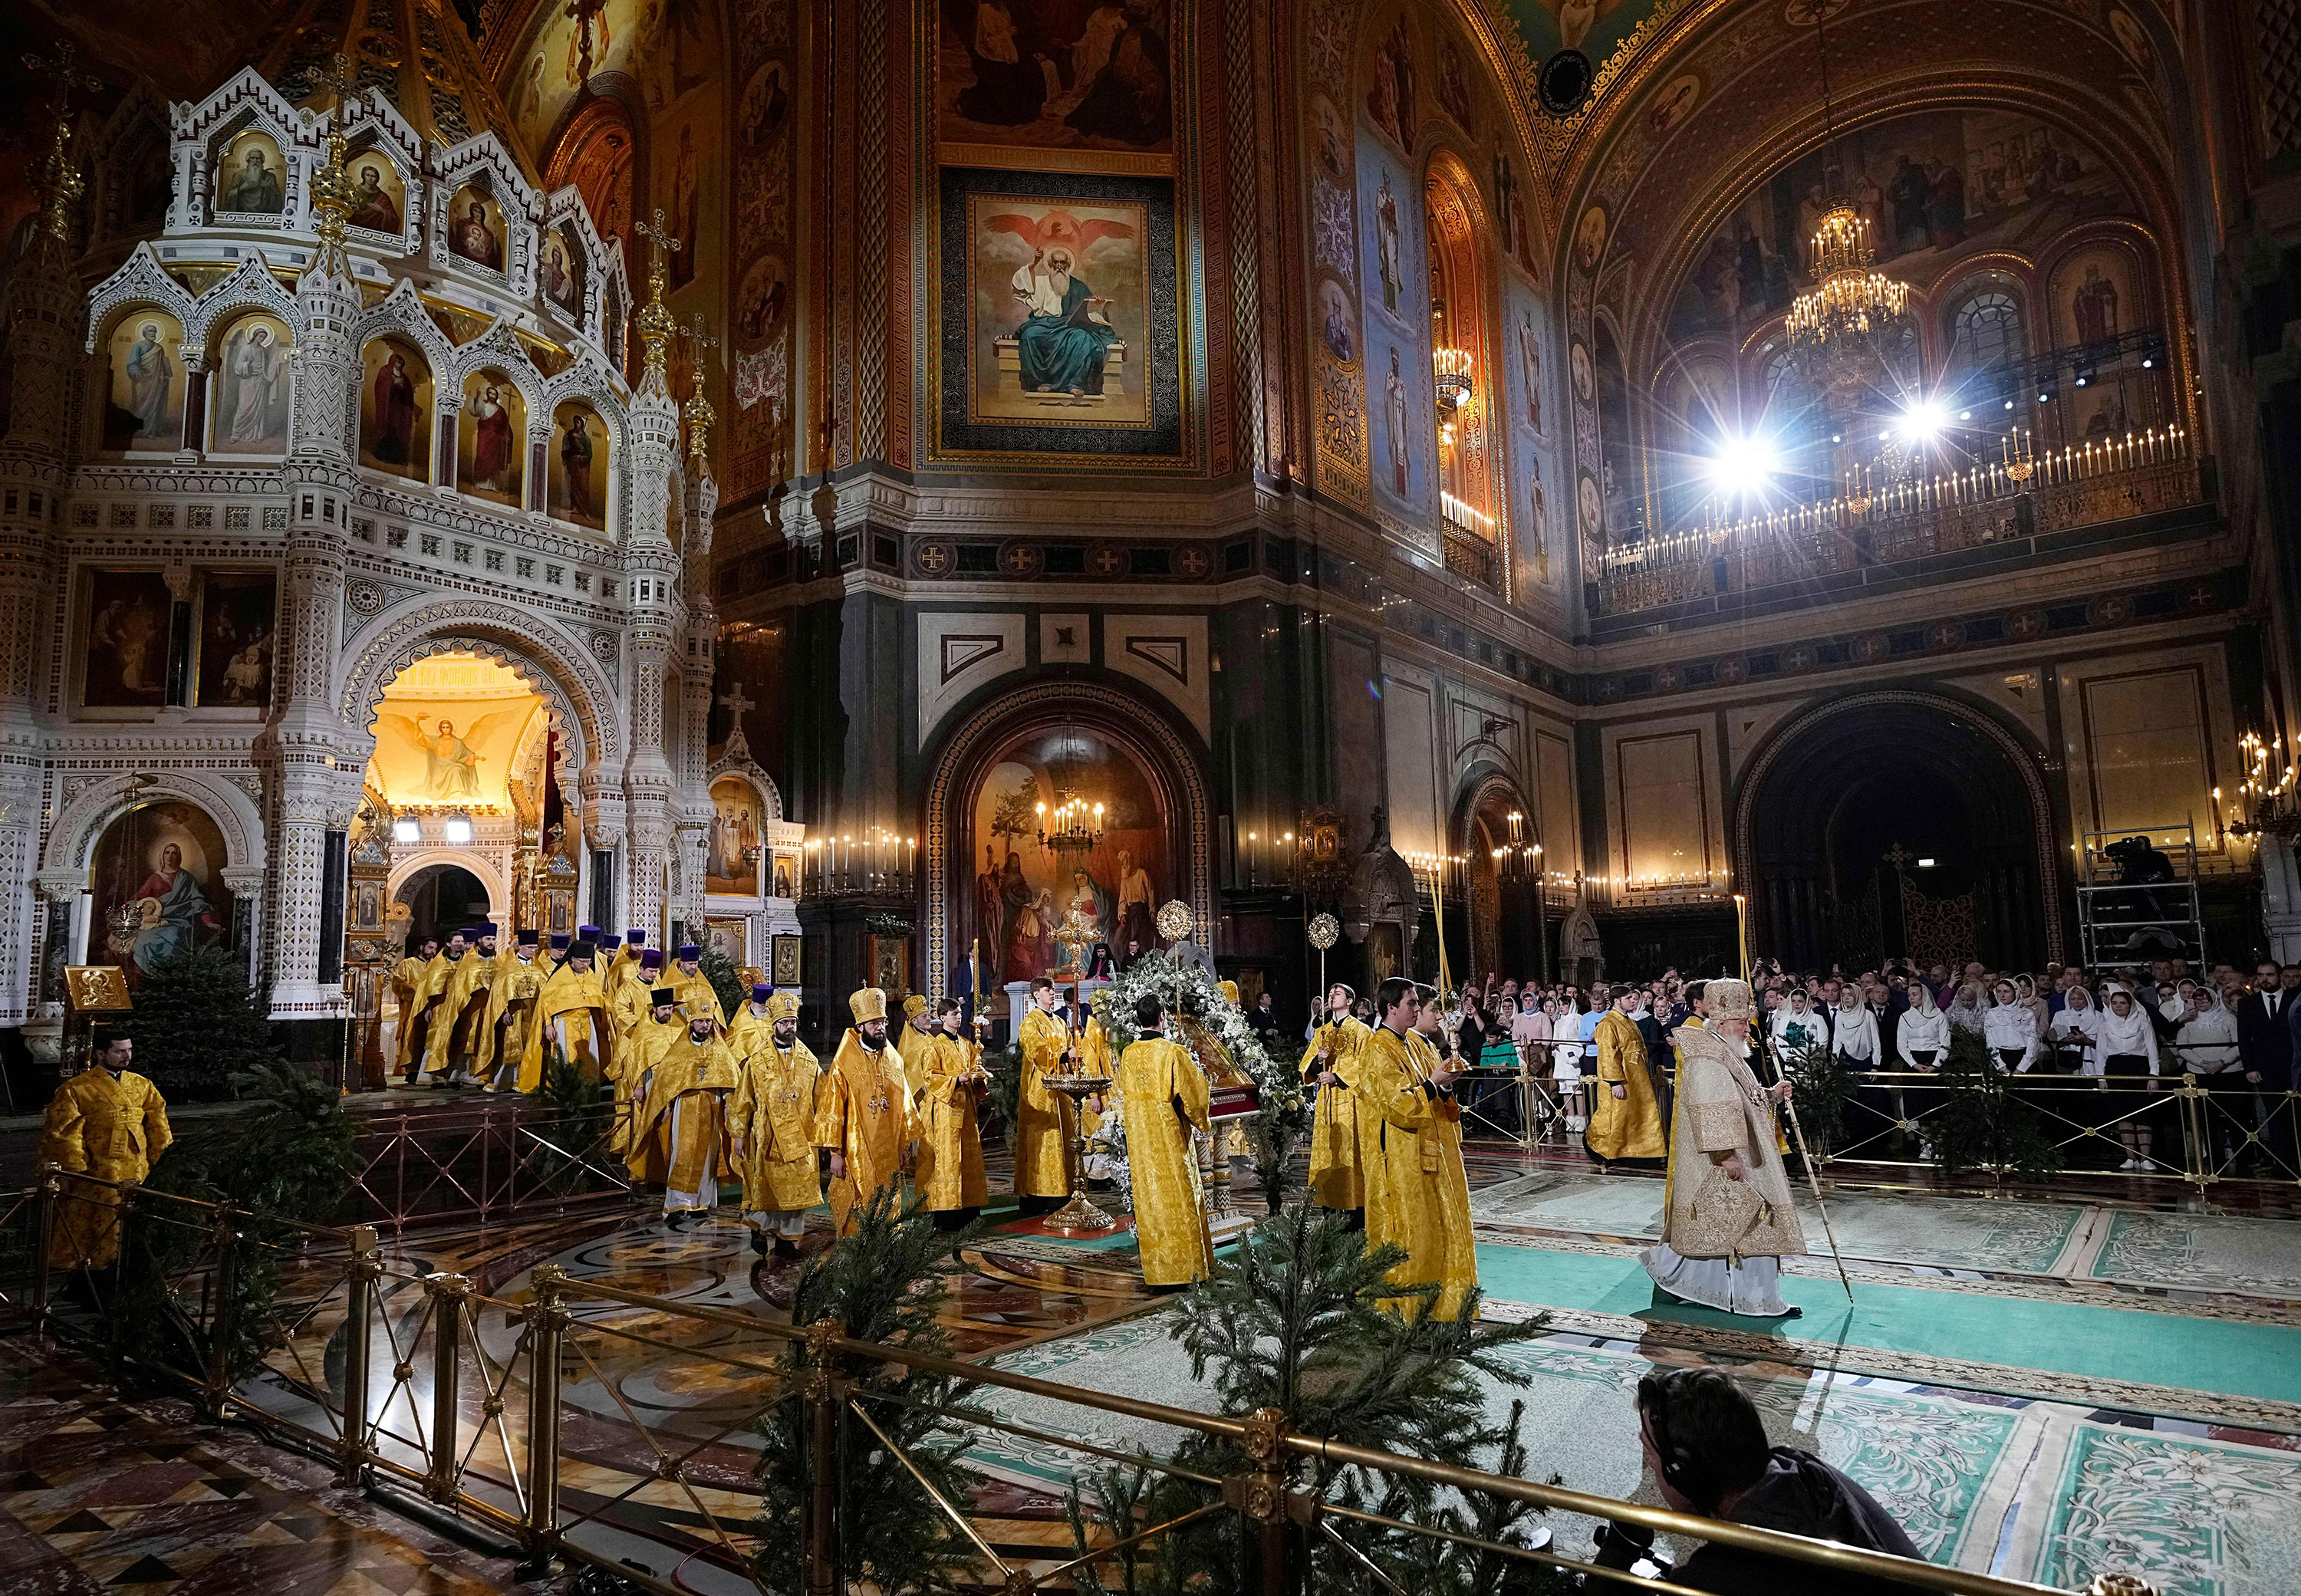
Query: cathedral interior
(923, 497)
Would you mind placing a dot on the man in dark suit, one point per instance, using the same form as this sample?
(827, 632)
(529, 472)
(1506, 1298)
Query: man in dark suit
(2268, 1034)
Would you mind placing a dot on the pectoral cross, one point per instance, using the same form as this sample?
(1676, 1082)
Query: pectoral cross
(878, 1105)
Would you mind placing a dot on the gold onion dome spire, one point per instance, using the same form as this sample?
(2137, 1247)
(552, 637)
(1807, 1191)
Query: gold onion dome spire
(699, 413)
(656, 326)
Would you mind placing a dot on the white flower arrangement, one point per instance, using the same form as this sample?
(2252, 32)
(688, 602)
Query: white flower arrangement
(1285, 1113)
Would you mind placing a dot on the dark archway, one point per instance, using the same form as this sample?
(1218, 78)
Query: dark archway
(441, 899)
(1897, 824)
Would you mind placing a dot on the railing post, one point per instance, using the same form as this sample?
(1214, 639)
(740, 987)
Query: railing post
(448, 1294)
(43, 1278)
(2196, 1133)
(359, 1330)
(223, 1321)
(547, 1324)
(825, 1393)
(1261, 1498)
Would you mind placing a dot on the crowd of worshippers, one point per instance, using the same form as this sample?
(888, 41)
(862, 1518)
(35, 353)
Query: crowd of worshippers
(2133, 1032)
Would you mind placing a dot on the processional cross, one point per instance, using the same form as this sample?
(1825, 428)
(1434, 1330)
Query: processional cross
(583, 11)
(60, 174)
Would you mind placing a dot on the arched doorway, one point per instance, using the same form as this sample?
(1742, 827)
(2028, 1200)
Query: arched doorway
(1087, 741)
(1899, 824)
(1501, 914)
(441, 899)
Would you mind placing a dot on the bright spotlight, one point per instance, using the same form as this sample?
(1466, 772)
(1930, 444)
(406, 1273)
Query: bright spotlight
(406, 830)
(458, 832)
(1744, 464)
(1922, 421)
(1965, 415)
(2009, 403)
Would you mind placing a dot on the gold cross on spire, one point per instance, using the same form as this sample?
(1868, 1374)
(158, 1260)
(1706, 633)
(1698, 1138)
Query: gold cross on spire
(59, 173)
(656, 326)
(700, 415)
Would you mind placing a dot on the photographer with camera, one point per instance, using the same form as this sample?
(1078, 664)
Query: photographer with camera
(1707, 1449)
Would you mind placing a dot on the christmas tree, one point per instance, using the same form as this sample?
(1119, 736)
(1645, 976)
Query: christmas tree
(198, 1024)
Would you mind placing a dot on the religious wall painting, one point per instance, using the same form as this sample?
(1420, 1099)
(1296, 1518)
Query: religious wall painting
(685, 172)
(1455, 86)
(1025, 898)
(1059, 293)
(143, 398)
(2131, 39)
(1596, 28)
(738, 822)
(1933, 186)
(667, 46)
(1093, 79)
(1330, 140)
(1590, 237)
(396, 406)
(576, 484)
(156, 887)
(1590, 512)
(1582, 373)
(1524, 341)
(250, 415)
(784, 971)
(761, 302)
(1337, 321)
(475, 228)
(1675, 103)
(378, 193)
(730, 939)
(491, 438)
(448, 731)
(1536, 540)
(784, 881)
(2097, 297)
(765, 106)
(238, 625)
(603, 168)
(251, 178)
(1389, 96)
(559, 271)
(127, 640)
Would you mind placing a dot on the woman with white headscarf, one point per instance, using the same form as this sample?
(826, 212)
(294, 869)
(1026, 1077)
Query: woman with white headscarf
(2205, 1046)
(1922, 1037)
(2076, 1033)
(2129, 1052)
(2009, 1028)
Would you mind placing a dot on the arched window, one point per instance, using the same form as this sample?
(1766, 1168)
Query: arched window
(1462, 291)
(1985, 331)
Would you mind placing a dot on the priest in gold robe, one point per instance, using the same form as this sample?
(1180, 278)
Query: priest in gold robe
(110, 1122)
(1417, 1195)
(624, 967)
(684, 1115)
(947, 1066)
(1163, 1097)
(632, 1004)
(697, 996)
(418, 1022)
(1625, 1118)
(511, 1011)
(1729, 1219)
(1337, 1178)
(455, 1036)
(771, 1121)
(406, 979)
(748, 1026)
(648, 1042)
(571, 1020)
(1049, 1047)
(863, 1110)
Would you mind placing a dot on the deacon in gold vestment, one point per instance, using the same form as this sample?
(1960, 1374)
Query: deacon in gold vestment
(863, 1110)
(110, 1122)
(1162, 1095)
(947, 1068)
(417, 1022)
(571, 1016)
(689, 1084)
(1729, 1216)
(511, 1011)
(1338, 1154)
(1049, 1047)
(771, 1120)
(1417, 1197)
(1625, 1119)
(646, 1042)
(405, 980)
(697, 996)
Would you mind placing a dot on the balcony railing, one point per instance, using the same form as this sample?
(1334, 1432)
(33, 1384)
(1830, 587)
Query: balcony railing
(2084, 485)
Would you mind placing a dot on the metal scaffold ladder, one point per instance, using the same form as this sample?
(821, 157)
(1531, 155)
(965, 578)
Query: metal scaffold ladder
(2137, 894)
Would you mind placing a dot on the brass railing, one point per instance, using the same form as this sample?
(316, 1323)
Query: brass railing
(483, 1159)
(1888, 526)
(424, 1383)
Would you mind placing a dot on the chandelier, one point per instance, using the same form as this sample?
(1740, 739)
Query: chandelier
(1452, 370)
(1071, 826)
(1831, 324)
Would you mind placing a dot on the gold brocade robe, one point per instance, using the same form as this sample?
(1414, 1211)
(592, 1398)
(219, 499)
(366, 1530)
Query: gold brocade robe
(113, 1128)
(1722, 1108)
(698, 996)
(863, 1110)
(949, 1174)
(747, 1031)
(1161, 1087)
(648, 1042)
(571, 1015)
(622, 969)
(695, 1079)
(455, 1023)
(511, 1015)
(773, 1115)
(416, 1019)
(1417, 1197)
(405, 977)
(1628, 1126)
(629, 1008)
(1039, 1109)
(1337, 1158)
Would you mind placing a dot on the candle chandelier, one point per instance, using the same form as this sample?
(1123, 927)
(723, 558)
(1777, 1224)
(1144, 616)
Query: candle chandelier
(1833, 324)
(1074, 825)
